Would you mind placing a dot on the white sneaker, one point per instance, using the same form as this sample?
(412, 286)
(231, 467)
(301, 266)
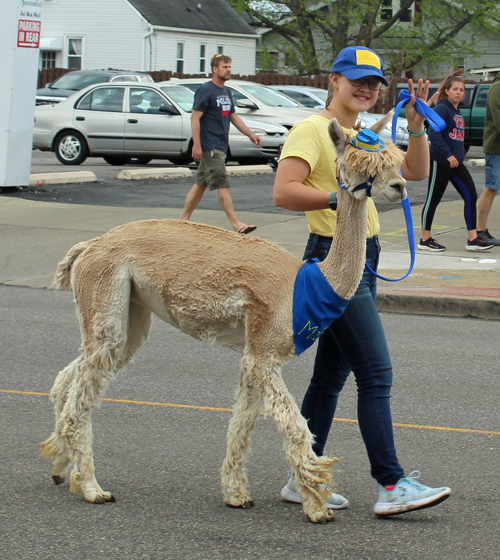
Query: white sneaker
(289, 494)
(409, 495)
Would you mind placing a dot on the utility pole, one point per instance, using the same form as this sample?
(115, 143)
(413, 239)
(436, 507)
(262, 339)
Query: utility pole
(19, 47)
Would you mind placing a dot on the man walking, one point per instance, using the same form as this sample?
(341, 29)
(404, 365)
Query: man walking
(213, 112)
(491, 146)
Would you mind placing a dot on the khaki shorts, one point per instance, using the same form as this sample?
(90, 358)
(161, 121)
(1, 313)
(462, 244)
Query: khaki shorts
(212, 170)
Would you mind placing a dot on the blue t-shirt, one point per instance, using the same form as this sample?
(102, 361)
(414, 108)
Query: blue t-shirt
(217, 105)
(450, 142)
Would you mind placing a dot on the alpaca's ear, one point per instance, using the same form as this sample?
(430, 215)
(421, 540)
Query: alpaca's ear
(380, 125)
(338, 136)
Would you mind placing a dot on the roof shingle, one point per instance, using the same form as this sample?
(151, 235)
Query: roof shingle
(203, 15)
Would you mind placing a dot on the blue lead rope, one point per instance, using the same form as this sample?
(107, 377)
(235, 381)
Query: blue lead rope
(411, 242)
(435, 122)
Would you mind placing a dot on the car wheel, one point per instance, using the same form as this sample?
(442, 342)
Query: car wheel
(117, 160)
(253, 161)
(180, 161)
(71, 148)
(142, 160)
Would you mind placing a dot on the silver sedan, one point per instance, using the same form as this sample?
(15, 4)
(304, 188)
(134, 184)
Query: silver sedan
(124, 121)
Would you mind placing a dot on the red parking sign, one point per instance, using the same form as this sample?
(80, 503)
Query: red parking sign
(28, 35)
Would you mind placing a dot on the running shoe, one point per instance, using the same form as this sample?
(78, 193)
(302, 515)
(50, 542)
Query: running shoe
(408, 495)
(430, 245)
(289, 494)
(486, 236)
(478, 244)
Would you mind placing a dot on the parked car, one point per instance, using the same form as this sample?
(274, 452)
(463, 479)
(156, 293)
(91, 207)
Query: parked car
(256, 101)
(316, 98)
(131, 120)
(402, 136)
(308, 96)
(472, 107)
(67, 84)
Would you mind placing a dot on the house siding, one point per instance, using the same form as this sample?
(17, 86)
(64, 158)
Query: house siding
(114, 33)
(242, 51)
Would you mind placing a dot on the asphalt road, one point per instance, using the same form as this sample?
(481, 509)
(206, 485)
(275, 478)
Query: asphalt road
(251, 193)
(161, 461)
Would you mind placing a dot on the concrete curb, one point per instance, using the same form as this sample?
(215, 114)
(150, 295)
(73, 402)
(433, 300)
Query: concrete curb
(475, 163)
(249, 169)
(138, 174)
(64, 177)
(440, 306)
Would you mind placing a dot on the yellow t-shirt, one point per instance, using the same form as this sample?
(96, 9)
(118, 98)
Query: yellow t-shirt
(309, 140)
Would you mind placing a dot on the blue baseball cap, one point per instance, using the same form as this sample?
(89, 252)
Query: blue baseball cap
(359, 62)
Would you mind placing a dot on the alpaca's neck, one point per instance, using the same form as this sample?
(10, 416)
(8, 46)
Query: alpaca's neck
(343, 267)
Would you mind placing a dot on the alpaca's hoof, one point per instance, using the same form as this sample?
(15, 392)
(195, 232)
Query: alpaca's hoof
(244, 505)
(58, 479)
(321, 517)
(100, 498)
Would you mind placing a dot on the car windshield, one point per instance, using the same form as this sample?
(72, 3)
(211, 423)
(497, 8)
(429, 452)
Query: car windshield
(183, 96)
(321, 93)
(268, 96)
(77, 82)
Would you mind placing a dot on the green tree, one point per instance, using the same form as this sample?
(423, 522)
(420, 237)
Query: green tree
(409, 31)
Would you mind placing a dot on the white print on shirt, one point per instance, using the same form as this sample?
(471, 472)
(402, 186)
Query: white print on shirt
(458, 133)
(225, 102)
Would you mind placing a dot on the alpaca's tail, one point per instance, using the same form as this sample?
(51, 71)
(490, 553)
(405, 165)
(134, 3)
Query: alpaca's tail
(62, 278)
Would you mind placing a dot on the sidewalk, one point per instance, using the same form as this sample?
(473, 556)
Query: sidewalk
(36, 236)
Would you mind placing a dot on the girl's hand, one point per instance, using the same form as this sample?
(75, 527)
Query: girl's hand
(415, 120)
(453, 161)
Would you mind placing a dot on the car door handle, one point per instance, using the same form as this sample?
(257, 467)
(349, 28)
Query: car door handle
(132, 121)
(80, 118)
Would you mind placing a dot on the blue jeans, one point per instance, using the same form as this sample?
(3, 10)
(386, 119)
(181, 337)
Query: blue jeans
(355, 342)
(492, 172)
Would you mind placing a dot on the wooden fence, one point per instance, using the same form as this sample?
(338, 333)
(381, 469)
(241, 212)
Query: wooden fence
(383, 105)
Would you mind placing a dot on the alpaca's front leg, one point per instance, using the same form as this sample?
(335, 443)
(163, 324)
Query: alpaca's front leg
(245, 413)
(312, 474)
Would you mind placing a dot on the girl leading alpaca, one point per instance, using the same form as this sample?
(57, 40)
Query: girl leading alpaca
(305, 181)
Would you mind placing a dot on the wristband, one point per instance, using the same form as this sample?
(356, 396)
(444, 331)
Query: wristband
(333, 201)
(414, 134)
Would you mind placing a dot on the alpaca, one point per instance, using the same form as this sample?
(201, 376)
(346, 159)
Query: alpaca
(220, 287)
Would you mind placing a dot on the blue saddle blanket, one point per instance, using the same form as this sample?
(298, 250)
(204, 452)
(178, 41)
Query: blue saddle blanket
(315, 305)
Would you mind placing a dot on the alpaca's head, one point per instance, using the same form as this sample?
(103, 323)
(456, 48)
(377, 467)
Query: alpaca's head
(356, 165)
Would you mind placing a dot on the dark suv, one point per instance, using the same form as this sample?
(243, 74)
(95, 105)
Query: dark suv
(67, 84)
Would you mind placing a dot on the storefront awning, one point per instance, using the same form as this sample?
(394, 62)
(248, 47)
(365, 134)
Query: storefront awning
(51, 44)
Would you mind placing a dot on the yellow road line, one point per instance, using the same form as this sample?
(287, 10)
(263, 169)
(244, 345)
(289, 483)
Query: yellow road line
(211, 408)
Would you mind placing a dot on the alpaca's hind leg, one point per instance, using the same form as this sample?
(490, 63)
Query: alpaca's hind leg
(312, 474)
(55, 447)
(76, 427)
(245, 413)
(94, 375)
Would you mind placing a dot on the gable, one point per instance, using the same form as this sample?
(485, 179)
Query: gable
(201, 15)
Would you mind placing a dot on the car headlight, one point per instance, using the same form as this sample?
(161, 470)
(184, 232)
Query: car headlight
(259, 131)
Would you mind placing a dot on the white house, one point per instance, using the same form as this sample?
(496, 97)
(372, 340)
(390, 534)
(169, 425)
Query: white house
(142, 35)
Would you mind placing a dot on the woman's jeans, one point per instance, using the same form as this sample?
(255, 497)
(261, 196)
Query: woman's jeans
(355, 342)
